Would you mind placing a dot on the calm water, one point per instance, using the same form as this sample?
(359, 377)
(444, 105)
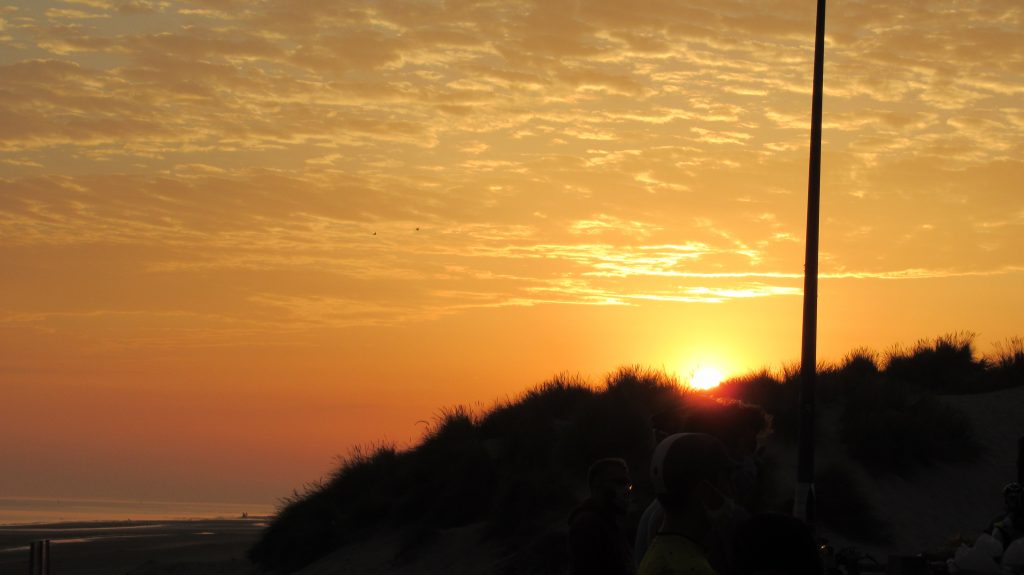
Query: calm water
(20, 510)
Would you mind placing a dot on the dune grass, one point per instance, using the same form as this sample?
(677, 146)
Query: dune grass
(947, 364)
(892, 417)
(1006, 364)
(518, 468)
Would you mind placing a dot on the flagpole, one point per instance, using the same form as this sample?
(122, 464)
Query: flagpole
(803, 503)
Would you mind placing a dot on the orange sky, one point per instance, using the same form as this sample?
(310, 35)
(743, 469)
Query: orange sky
(239, 237)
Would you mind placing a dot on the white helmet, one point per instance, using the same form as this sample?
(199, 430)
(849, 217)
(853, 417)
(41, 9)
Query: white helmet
(683, 459)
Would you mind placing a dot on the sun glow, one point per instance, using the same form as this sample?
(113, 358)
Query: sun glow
(706, 378)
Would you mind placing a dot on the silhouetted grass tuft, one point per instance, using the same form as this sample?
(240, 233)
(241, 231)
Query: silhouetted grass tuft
(837, 382)
(1007, 363)
(946, 364)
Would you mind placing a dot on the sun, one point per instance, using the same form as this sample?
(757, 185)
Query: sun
(706, 378)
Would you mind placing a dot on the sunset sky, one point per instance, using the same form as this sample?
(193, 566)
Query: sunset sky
(240, 237)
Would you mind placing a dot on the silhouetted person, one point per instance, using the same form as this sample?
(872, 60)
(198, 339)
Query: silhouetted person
(692, 476)
(1009, 527)
(597, 539)
(773, 544)
(741, 427)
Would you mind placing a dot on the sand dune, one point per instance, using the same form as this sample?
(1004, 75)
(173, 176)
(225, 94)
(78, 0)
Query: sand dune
(946, 500)
(924, 511)
(935, 503)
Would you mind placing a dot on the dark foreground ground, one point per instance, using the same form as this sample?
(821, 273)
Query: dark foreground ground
(136, 548)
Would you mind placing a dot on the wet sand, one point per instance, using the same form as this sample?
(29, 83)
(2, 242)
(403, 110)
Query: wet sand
(202, 546)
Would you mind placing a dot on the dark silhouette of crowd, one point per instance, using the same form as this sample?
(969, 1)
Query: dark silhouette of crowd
(707, 515)
(705, 467)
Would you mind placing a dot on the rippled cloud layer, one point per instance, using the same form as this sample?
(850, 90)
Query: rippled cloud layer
(216, 170)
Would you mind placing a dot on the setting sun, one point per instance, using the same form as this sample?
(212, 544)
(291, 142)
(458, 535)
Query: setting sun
(706, 378)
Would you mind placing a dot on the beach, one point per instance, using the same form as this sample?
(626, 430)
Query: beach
(200, 546)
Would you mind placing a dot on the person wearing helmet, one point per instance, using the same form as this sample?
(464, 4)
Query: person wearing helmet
(1010, 527)
(597, 541)
(692, 474)
(742, 428)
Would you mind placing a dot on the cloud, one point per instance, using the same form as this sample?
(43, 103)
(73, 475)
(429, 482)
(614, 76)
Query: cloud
(71, 14)
(410, 159)
(603, 224)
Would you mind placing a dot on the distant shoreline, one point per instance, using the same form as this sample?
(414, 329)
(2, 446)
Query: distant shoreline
(100, 524)
(124, 545)
(53, 510)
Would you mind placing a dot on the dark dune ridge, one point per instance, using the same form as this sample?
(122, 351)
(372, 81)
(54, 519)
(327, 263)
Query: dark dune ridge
(499, 484)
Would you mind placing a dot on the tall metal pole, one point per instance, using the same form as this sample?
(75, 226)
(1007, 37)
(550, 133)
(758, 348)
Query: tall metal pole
(1020, 459)
(803, 506)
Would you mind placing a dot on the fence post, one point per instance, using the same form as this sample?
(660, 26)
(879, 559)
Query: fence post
(40, 561)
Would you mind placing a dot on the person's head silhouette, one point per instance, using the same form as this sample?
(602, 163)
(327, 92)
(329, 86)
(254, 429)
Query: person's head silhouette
(691, 470)
(610, 483)
(692, 476)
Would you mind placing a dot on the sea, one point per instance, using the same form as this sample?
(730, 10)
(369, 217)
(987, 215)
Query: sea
(36, 510)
